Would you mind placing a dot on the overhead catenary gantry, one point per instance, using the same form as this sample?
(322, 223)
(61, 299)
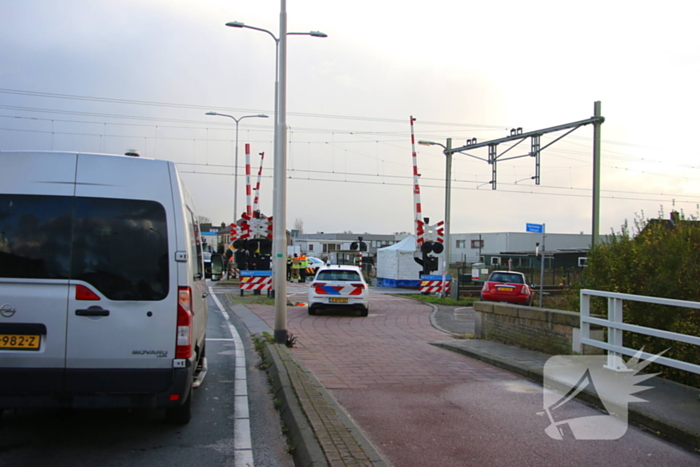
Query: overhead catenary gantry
(517, 136)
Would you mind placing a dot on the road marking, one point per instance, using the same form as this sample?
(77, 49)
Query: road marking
(242, 440)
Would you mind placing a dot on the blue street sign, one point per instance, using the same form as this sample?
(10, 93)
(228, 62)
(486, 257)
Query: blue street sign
(434, 277)
(255, 273)
(534, 228)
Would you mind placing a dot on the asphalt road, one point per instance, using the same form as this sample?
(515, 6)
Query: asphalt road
(116, 438)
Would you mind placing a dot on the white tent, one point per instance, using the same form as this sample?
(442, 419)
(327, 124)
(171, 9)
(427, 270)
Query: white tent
(395, 264)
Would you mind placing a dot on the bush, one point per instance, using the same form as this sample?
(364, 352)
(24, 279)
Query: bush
(660, 259)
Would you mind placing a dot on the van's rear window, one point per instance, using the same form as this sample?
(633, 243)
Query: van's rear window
(119, 246)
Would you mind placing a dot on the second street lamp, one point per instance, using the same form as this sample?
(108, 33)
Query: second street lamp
(235, 162)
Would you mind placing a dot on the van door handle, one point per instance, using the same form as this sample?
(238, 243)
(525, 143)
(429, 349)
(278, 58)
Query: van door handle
(92, 311)
(204, 295)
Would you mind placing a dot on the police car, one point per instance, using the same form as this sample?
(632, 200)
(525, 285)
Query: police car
(313, 264)
(340, 286)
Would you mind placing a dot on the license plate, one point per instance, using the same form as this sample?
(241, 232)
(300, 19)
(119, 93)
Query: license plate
(339, 300)
(19, 341)
(504, 289)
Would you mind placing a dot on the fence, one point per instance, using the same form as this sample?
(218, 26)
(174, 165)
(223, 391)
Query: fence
(552, 276)
(616, 326)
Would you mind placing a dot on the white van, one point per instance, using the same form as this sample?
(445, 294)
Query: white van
(103, 300)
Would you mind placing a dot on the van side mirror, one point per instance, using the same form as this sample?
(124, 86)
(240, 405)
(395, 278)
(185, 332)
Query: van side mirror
(217, 266)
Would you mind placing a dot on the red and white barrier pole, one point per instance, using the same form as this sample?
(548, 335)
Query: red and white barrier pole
(256, 201)
(418, 215)
(249, 207)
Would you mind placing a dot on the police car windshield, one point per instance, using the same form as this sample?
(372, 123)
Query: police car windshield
(338, 275)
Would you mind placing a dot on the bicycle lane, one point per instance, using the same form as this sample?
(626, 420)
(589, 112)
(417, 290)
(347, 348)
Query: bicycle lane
(422, 405)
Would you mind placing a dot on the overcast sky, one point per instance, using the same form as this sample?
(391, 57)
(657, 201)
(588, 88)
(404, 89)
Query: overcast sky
(106, 76)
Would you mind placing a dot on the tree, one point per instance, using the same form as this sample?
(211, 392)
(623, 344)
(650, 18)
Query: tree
(204, 220)
(660, 258)
(299, 225)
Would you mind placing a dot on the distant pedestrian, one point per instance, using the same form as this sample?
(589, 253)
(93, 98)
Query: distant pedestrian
(303, 264)
(295, 267)
(289, 268)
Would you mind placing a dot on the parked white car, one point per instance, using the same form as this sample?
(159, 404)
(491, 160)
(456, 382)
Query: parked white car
(339, 286)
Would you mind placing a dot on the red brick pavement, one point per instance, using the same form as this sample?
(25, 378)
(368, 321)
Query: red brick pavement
(389, 347)
(426, 407)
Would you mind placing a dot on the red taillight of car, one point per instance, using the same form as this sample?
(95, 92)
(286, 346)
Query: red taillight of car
(359, 288)
(318, 284)
(525, 290)
(183, 346)
(83, 293)
(485, 288)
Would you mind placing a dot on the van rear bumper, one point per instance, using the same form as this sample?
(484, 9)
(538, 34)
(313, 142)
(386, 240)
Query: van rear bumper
(51, 388)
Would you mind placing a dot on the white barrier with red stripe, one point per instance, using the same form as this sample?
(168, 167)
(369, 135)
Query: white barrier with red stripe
(418, 215)
(434, 284)
(255, 280)
(256, 201)
(249, 206)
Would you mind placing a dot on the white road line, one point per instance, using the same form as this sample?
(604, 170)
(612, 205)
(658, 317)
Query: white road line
(242, 440)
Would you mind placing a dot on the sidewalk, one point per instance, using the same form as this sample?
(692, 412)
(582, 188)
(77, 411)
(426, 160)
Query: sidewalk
(324, 434)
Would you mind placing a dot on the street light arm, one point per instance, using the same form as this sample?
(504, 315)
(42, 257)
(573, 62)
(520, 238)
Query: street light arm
(431, 143)
(238, 24)
(237, 119)
(310, 33)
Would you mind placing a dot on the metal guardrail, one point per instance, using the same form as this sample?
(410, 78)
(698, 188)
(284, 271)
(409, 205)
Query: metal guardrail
(616, 326)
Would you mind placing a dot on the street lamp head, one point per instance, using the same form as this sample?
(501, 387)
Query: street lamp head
(261, 116)
(211, 113)
(235, 24)
(318, 34)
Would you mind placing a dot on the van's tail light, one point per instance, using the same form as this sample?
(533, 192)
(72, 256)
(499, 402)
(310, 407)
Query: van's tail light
(183, 347)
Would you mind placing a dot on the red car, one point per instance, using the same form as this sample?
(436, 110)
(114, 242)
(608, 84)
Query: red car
(507, 286)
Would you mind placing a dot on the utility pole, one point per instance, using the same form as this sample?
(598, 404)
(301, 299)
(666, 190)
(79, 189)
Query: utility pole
(542, 266)
(595, 228)
(448, 200)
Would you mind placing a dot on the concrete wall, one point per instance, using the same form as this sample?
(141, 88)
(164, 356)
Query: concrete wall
(549, 331)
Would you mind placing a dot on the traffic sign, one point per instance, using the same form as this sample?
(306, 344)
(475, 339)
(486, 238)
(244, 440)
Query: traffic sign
(534, 228)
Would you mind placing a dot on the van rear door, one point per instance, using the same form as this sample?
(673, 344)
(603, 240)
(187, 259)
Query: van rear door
(122, 306)
(35, 210)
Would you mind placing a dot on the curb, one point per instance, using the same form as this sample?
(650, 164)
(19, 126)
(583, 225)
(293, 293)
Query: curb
(307, 451)
(320, 430)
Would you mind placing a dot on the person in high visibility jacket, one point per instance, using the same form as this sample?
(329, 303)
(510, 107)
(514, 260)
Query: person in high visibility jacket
(296, 264)
(304, 263)
(289, 268)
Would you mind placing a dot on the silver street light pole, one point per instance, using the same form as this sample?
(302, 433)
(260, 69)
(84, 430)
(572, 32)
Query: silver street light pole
(235, 163)
(279, 205)
(448, 202)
